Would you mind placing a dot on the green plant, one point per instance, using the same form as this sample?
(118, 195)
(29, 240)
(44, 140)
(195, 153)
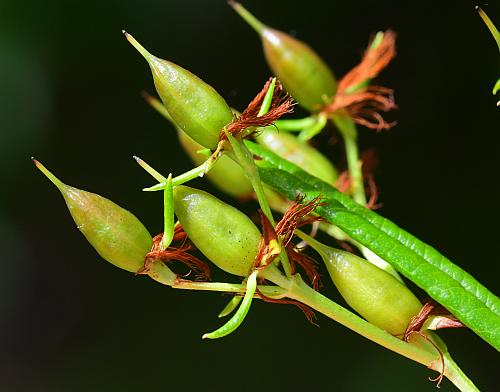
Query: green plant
(232, 242)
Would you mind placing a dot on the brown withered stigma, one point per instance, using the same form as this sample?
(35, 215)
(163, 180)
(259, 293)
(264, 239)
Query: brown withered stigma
(369, 161)
(446, 320)
(177, 251)
(281, 104)
(273, 240)
(364, 104)
(308, 312)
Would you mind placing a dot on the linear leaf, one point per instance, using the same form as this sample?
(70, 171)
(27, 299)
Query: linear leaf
(448, 284)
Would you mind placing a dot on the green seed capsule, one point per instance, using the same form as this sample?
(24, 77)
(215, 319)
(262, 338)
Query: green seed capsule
(226, 174)
(302, 154)
(376, 295)
(303, 73)
(115, 233)
(194, 105)
(226, 236)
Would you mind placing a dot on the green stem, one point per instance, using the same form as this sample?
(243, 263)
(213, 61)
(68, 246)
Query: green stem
(350, 134)
(300, 291)
(296, 124)
(457, 376)
(309, 132)
(245, 159)
(296, 288)
(198, 171)
(257, 25)
(162, 274)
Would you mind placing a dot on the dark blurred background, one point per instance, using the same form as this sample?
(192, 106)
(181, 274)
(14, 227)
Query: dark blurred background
(69, 95)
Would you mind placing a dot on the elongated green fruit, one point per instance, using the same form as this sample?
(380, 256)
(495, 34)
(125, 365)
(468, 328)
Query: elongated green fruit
(302, 154)
(115, 233)
(225, 174)
(376, 295)
(471, 302)
(303, 73)
(194, 105)
(226, 236)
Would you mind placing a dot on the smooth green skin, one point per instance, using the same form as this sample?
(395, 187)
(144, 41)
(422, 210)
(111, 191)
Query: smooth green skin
(115, 233)
(302, 154)
(226, 174)
(303, 73)
(226, 236)
(194, 105)
(472, 303)
(376, 295)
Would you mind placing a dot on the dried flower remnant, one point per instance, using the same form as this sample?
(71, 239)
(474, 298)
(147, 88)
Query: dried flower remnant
(177, 251)
(308, 264)
(295, 217)
(361, 101)
(308, 312)
(281, 104)
(272, 240)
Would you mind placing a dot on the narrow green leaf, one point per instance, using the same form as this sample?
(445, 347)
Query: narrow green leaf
(230, 307)
(168, 214)
(448, 284)
(240, 314)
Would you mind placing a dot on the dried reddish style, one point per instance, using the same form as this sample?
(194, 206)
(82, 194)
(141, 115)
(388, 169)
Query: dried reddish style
(269, 246)
(273, 240)
(365, 104)
(370, 163)
(177, 251)
(416, 323)
(308, 264)
(296, 216)
(281, 104)
(308, 312)
(432, 308)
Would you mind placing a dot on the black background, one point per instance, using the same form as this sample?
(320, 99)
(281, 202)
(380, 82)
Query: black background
(69, 94)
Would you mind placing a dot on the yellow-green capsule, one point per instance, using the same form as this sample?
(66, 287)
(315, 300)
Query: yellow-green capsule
(296, 151)
(115, 233)
(225, 235)
(194, 105)
(376, 295)
(303, 73)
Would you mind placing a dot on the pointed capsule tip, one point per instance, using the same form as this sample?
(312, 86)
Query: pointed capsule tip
(58, 183)
(205, 336)
(148, 56)
(257, 25)
(137, 159)
(146, 96)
